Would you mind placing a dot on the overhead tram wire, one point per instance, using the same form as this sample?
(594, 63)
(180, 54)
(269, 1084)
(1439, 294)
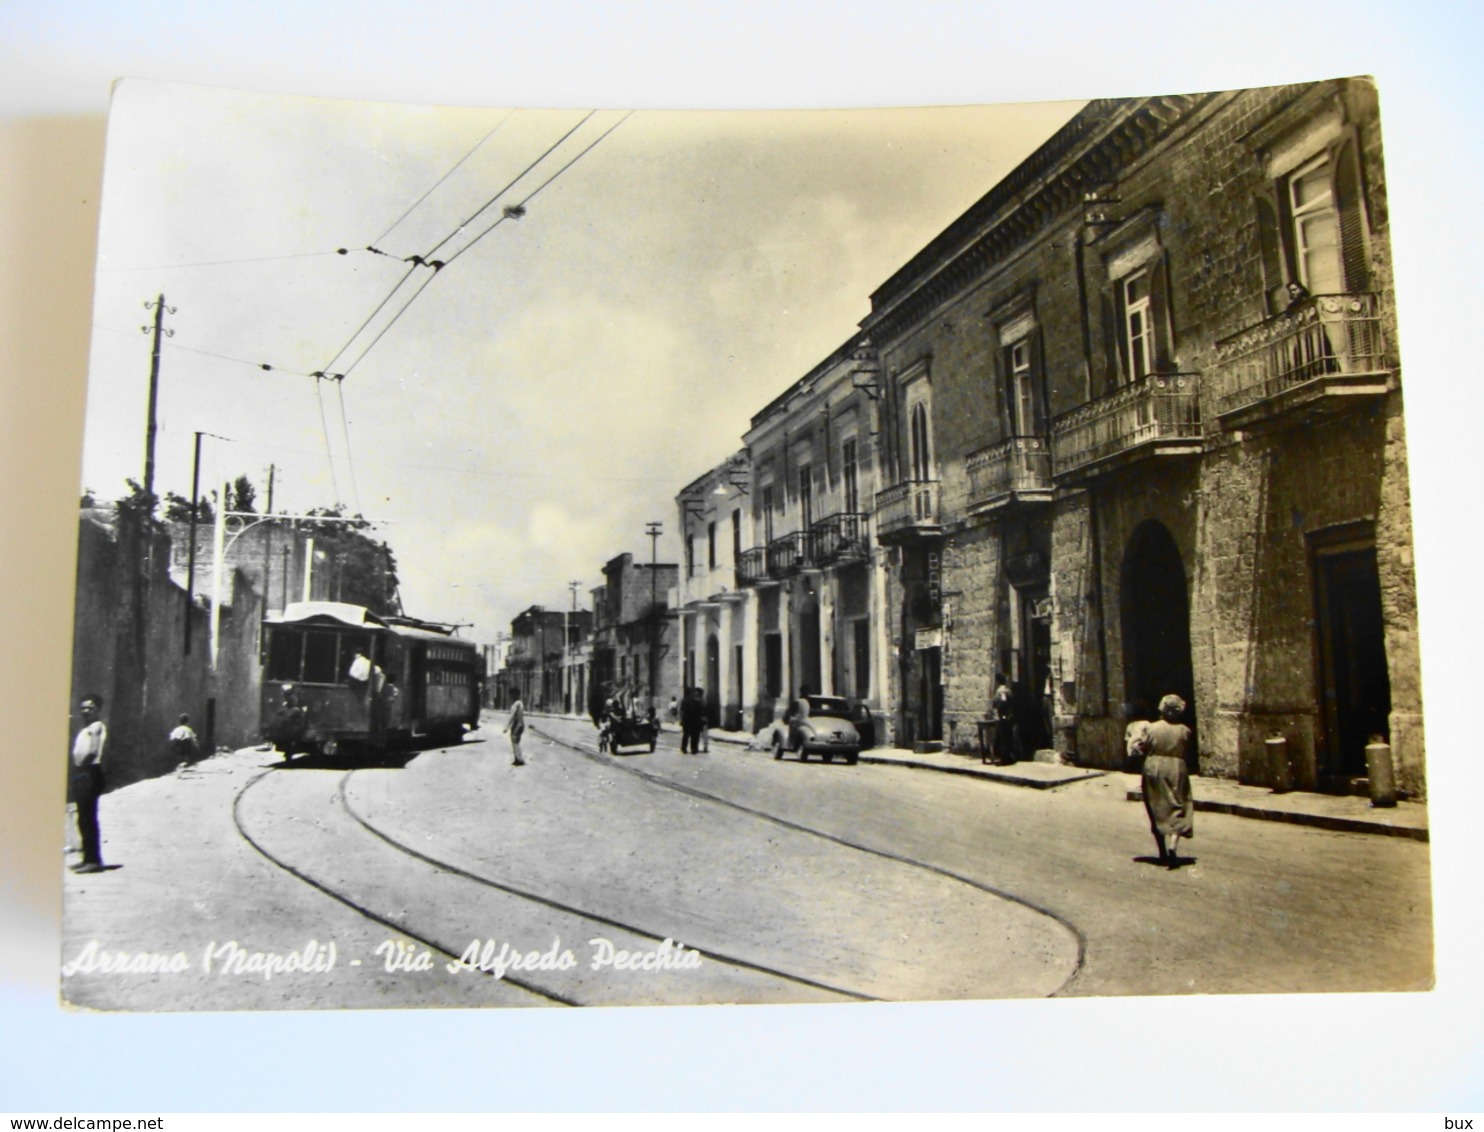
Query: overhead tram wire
(228, 262)
(510, 184)
(545, 474)
(325, 428)
(477, 146)
(532, 195)
(265, 366)
(437, 266)
(428, 261)
(350, 460)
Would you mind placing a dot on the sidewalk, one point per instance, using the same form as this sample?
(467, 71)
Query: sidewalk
(1344, 813)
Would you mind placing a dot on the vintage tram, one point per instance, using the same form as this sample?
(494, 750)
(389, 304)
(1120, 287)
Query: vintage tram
(339, 677)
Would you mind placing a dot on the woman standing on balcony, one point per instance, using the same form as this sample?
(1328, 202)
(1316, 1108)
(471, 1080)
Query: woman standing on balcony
(1166, 782)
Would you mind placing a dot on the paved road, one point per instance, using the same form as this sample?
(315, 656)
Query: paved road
(1265, 907)
(783, 882)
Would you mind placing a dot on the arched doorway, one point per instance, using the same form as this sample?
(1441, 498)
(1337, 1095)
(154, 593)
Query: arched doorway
(1155, 610)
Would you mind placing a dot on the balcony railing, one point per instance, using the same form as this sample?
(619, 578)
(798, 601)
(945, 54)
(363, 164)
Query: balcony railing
(838, 539)
(752, 566)
(1158, 415)
(788, 554)
(1014, 469)
(1326, 346)
(906, 508)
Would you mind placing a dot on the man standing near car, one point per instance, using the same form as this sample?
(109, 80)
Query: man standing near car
(86, 780)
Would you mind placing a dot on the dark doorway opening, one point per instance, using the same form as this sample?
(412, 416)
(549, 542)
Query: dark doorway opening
(1033, 669)
(1355, 684)
(713, 681)
(772, 665)
(809, 666)
(930, 695)
(1155, 610)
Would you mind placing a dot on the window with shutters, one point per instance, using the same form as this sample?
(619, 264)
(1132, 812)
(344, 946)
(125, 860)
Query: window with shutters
(1311, 223)
(1138, 325)
(850, 476)
(806, 497)
(1138, 338)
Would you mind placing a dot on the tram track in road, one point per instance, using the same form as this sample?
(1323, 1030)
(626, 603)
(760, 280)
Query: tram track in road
(593, 755)
(359, 908)
(427, 937)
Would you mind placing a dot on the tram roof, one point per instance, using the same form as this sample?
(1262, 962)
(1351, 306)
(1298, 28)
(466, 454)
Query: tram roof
(357, 616)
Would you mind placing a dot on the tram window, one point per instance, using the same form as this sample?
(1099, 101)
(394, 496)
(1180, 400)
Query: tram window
(285, 652)
(319, 658)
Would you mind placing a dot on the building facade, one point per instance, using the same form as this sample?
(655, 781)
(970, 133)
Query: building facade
(816, 616)
(634, 640)
(1142, 434)
(714, 616)
(534, 662)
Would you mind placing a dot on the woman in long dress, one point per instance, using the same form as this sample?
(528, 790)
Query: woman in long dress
(1167, 781)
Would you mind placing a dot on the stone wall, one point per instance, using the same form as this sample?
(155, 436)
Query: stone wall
(129, 635)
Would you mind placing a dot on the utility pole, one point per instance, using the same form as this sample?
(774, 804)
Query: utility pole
(267, 557)
(191, 550)
(572, 703)
(653, 531)
(160, 310)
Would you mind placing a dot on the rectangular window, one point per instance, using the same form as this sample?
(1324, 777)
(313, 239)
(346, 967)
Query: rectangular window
(806, 496)
(1022, 388)
(1138, 327)
(711, 545)
(319, 658)
(767, 502)
(1316, 230)
(850, 476)
(690, 556)
(285, 654)
(737, 535)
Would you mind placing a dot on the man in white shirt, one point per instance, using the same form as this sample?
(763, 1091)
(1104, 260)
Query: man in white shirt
(86, 778)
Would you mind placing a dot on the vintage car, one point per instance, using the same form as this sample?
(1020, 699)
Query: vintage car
(819, 725)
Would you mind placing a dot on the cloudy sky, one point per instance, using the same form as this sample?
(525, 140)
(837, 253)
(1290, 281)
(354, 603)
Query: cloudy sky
(548, 391)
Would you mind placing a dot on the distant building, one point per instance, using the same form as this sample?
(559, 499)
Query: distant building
(717, 620)
(634, 640)
(534, 662)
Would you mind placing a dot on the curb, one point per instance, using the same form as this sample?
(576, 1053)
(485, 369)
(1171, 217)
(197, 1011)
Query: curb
(987, 775)
(1235, 809)
(1291, 817)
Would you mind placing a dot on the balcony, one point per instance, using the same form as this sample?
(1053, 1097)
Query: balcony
(1323, 353)
(908, 510)
(1157, 416)
(752, 567)
(838, 540)
(1017, 470)
(788, 555)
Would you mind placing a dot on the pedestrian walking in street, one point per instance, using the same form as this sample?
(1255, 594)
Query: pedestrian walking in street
(85, 779)
(515, 728)
(1166, 781)
(691, 709)
(184, 746)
